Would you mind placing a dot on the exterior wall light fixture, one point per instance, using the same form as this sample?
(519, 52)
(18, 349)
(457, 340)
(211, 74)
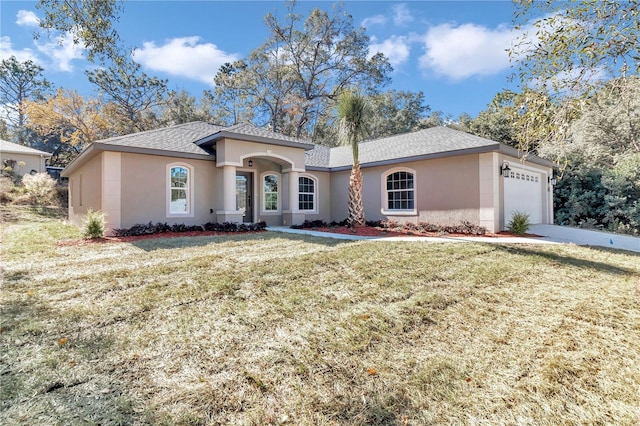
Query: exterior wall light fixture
(505, 169)
(250, 163)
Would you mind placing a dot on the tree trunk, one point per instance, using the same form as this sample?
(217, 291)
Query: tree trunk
(356, 211)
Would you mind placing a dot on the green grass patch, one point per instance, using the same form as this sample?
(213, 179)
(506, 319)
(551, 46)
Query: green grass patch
(281, 329)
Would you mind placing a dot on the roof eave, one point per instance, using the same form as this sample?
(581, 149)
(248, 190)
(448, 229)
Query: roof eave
(42, 154)
(87, 154)
(97, 147)
(525, 156)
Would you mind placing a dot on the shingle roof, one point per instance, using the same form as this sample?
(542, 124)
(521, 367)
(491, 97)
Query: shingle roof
(249, 132)
(6, 146)
(432, 141)
(319, 156)
(192, 138)
(179, 138)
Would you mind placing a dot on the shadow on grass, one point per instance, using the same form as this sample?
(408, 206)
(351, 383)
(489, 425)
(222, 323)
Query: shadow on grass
(614, 250)
(11, 277)
(571, 260)
(17, 213)
(38, 372)
(162, 243)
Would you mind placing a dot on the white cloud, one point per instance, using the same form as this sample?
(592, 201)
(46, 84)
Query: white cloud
(184, 57)
(395, 48)
(61, 51)
(27, 18)
(373, 20)
(22, 55)
(401, 15)
(459, 52)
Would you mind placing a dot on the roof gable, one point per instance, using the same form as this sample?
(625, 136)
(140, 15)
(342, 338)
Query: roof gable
(14, 148)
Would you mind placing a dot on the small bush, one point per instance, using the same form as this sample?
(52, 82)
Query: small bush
(310, 224)
(94, 224)
(519, 223)
(40, 186)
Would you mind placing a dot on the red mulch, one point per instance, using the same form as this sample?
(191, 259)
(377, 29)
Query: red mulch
(366, 231)
(86, 241)
(369, 231)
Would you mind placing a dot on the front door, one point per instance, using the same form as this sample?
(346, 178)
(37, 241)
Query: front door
(244, 199)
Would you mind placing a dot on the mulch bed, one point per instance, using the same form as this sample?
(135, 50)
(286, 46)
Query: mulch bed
(130, 239)
(369, 231)
(366, 231)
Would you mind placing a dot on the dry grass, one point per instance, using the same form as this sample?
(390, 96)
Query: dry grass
(281, 329)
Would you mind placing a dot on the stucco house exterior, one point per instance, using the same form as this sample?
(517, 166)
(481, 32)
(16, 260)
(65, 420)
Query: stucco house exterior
(26, 159)
(197, 172)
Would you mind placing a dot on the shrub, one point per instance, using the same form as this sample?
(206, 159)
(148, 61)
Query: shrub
(310, 224)
(94, 224)
(40, 186)
(519, 223)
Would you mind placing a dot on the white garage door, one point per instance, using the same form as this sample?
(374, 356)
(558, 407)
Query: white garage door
(523, 193)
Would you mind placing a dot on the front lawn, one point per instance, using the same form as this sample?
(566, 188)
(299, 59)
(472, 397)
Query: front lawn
(272, 328)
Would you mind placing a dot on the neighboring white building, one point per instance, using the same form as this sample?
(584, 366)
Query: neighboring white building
(24, 159)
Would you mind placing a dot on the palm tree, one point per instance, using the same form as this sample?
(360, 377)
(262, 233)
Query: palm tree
(352, 128)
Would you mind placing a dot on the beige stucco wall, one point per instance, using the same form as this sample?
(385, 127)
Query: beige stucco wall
(85, 189)
(145, 195)
(490, 214)
(32, 162)
(233, 152)
(447, 191)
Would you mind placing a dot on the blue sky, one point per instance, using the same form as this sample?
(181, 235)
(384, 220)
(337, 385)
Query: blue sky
(452, 51)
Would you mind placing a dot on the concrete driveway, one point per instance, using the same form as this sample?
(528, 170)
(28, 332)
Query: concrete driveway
(564, 234)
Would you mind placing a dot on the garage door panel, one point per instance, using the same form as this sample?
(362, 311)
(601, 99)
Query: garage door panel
(523, 193)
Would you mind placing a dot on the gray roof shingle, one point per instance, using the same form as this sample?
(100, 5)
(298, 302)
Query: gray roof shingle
(319, 156)
(251, 130)
(432, 141)
(179, 138)
(192, 138)
(6, 146)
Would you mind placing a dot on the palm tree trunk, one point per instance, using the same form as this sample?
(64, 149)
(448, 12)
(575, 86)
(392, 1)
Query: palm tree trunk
(356, 210)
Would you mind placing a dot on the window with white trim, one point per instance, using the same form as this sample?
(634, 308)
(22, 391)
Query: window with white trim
(306, 193)
(270, 196)
(180, 186)
(399, 191)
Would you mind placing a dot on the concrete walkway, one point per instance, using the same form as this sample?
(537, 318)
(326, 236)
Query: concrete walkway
(443, 239)
(551, 234)
(565, 234)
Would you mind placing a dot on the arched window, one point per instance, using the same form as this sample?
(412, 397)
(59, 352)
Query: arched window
(307, 188)
(180, 187)
(270, 192)
(399, 191)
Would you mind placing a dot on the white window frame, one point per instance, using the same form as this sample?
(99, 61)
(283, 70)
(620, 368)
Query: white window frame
(315, 193)
(189, 189)
(385, 194)
(263, 194)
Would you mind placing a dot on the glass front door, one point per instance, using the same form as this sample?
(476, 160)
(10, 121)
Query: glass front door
(244, 199)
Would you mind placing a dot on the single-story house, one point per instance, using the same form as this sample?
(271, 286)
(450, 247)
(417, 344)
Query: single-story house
(197, 172)
(22, 159)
